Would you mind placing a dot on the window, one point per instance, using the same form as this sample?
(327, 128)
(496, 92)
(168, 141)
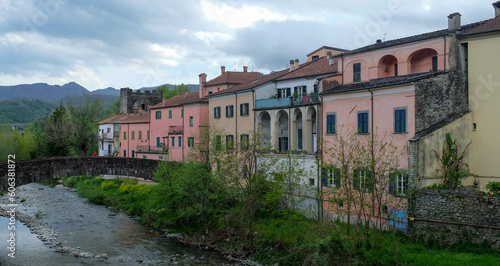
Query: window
(147, 135)
(124, 135)
(158, 114)
(434, 63)
(173, 141)
(396, 69)
(217, 112)
(299, 139)
(311, 181)
(284, 92)
(190, 142)
(229, 142)
(330, 123)
(244, 141)
(299, 91)
(191, 123)
(229, 111)
(315, 57)
(244, 110)
(182, 113)
(356, 72)
(363, 122)
(158, 143)
(180, 142)
(218, 143)
(169, 114)
(398, 183)
(330, 176)
(124, 153)
(140, 134)
(133, 135)
(400, 120)
(245, 171)
(362, 180)
(109, 130)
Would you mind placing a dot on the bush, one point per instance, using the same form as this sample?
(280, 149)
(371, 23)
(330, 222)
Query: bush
(494, 188)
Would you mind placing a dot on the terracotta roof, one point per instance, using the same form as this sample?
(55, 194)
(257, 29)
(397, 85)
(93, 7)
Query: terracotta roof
(253, 83)
(142, 117)
(179, 100)
(312, 68)
(410, 39)
(486, 26)
(327, 47)
(113, 120)
(232, 77)
(381, 82)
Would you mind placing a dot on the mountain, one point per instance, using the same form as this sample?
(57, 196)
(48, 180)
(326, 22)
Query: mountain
(24, 110)
(41, 90)
(107, 91)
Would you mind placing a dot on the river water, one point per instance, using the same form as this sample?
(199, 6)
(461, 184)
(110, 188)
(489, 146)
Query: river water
(85, 227)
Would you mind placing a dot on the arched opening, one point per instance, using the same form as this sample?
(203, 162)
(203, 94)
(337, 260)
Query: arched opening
(388, 66)
(424, 60)
(298, 141)
(312, 139)
(282, 118)
(265, 127)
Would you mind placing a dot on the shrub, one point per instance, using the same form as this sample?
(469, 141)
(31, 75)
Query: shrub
(494, 188)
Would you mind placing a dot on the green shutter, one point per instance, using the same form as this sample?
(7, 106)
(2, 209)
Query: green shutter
(336, 172)
(392, 183)
(369, 180)
(434, 63)
(169, 114)
(182, 113)
(405, 191)
(324, 179)
(355, 179)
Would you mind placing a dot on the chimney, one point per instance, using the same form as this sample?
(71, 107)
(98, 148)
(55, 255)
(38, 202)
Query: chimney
(291, 64)
(496, 6)
(296, 63)
(245, 69)
(186, 92)
(222, 69)
(329, 57)
(454, 21)
(203, 80)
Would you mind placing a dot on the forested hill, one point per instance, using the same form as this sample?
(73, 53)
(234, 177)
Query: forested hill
(41, 90)
(24, 110)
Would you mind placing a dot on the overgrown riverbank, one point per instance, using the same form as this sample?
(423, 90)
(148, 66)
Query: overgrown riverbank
(212, 214)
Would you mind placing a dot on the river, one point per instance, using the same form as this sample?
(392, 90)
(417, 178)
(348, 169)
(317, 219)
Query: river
(83, 228)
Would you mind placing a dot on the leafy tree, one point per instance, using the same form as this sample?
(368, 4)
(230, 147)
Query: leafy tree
(177, 90)
(113, 109)
(58, 130)
(14, 142)
(83, 119)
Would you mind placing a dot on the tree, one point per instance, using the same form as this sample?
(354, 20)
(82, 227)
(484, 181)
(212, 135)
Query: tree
(113, 109)
(14, 142)
(58, 130)
(177, 90)
(83, 119)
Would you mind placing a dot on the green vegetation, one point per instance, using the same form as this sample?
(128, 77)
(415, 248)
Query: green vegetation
(24, 110)
(15, 142)
(453, 168)
(494, 188)
(177, 90)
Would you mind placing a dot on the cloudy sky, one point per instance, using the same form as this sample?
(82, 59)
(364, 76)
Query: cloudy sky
(132, 43)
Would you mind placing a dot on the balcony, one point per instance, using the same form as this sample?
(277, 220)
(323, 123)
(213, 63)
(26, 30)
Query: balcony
(297, 100)
(151, 149)
(107, 136)
(175, 130)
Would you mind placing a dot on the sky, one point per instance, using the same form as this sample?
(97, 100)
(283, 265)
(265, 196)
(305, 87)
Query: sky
(132, 43)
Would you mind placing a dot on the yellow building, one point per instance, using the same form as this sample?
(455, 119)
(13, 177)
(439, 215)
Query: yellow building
(481, 45)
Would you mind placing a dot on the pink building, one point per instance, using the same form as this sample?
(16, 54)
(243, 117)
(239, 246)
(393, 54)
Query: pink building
(134, 134)
(175, 125)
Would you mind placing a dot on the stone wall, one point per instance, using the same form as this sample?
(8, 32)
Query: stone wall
(450, 217)
(129, 99)
(42, 169)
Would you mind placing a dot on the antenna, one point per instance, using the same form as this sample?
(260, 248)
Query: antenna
(234, 66)
(385, 33)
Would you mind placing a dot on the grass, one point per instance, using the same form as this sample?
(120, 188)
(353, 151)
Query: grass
(280, 236)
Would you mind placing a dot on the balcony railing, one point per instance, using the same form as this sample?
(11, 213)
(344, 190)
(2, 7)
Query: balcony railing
(151, 149)
(310, 98)
(107, 136)
(175, 130)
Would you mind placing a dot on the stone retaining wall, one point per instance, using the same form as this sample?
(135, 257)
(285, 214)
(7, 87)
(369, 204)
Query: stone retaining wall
(450, 218)
(36, 170)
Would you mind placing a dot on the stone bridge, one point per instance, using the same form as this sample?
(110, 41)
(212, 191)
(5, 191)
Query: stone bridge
(41, 169)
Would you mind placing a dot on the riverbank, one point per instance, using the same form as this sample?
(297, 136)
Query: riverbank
(282, 237)
(84, 233)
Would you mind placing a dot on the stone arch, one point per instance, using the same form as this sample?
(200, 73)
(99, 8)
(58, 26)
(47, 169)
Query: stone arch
(264, 124)
(387, 66)
(283, 130)
(297, 129)
(423, 60)
(312, 124)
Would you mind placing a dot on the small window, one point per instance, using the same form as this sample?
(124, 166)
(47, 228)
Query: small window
(133, 135)
(362, 180)
(396, 69)
(190, 142)
(173, 141)
(244, 141)
(158, 143)
(229, 142)
(180, 142)
(284, 92)
(330, 123)
(191, 121)
(311, 181)
(140, 134)
(124, 135)
(330, 176)
(400, 120)
(363, 122)
(244, 109)
(182, 113)
(434, 63)
(229, 111)
(147, 135)
(169, 114)
(356, 70)
(398, 183)
(217, 112)
(158, 115)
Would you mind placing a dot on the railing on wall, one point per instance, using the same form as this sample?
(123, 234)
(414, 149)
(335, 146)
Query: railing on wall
(298, 100)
